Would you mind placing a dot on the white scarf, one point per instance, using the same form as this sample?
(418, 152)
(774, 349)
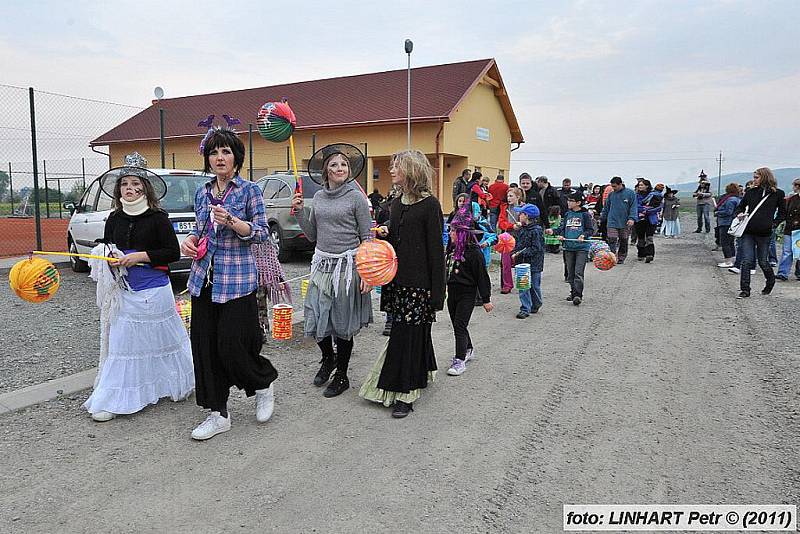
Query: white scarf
(348, 256)
(136, 207)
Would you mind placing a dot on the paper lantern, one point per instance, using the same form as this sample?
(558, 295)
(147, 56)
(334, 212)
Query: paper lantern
(596, 247)
(184, 309)
(522, 276)
(35, 279)
(276, 121)
(304, 288)
(505, 243)
(376, 262)
(605, 260)
(282, 321)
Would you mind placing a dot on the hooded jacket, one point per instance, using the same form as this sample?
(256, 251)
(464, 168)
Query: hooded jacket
(771, 213)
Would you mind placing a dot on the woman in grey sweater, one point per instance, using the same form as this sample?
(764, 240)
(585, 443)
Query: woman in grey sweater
(337, 302)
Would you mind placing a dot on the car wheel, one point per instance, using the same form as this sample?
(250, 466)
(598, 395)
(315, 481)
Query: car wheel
(77, 264)
(284, 254)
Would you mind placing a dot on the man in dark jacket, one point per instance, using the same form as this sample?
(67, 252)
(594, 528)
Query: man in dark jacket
(460, 184)
(792, 225)
(548, 196)
(563, 194)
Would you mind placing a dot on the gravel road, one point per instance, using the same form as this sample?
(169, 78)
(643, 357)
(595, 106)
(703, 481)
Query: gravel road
(649, 392)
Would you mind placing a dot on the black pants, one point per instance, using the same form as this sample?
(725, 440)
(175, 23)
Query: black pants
(644, 238)
(344, 348)
(576, 264)
(226, 348)
(727, 242)
(460, 303)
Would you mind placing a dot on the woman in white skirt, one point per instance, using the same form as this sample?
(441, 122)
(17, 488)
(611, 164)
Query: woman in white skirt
(337, 302)
(145, 350)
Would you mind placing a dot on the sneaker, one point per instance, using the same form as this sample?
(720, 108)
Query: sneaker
(265, 404)
(577, 301)
(774, 263)
(470, 354)
(752, 271)
(457, 368)
(648, 259)
(338, 385)
(535, 310)
(569, 298)
(640, 258)
(620, 261)
(781, 278)
(743, 295)
(213, 425)
(734, 270)
(402, 409)
(725, 265)
(522, 315)
(325, 370)
(102, 417)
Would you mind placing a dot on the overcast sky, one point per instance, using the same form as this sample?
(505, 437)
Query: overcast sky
(599, 88)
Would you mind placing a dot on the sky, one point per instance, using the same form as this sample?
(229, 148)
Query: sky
(600, 88)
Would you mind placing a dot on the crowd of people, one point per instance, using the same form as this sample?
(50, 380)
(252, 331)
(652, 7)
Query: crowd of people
(147, 355)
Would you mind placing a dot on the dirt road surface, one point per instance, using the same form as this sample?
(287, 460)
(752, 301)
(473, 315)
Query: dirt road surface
(660, 388)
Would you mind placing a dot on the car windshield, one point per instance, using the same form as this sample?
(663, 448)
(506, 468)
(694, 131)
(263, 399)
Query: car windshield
(180, 192)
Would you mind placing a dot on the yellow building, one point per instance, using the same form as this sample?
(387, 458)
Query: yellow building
(461, 117)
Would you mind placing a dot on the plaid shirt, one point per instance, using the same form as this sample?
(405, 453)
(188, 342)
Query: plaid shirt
(234, 273)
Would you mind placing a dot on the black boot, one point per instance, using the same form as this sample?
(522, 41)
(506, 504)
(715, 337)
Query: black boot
(402, 409)
(325, 370)
(768, 288)
(338, 385)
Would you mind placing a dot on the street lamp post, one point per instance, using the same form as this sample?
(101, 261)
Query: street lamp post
(409, 47)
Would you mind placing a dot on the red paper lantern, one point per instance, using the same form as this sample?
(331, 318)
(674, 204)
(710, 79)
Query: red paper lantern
(505, 243)
(376, 262)
(604, 260)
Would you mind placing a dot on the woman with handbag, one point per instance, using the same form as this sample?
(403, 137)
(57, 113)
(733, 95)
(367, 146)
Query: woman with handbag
(760, 211)
(337, 303)
(225, 331)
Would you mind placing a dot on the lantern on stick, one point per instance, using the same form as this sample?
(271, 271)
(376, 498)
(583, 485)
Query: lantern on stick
(34, 279)
(282, 321)
(376, 262)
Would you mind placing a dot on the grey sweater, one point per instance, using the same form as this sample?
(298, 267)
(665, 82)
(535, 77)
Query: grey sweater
(339, 219)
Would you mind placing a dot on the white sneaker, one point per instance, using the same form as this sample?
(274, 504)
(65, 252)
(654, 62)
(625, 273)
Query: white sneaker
(752, 271)
(213, 425)
(724, 265)
(102, 417)
(470, 354)
(734, 270)
(265, 404)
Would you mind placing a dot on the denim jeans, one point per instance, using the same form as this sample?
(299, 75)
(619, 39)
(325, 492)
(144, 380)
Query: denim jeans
(786, 259)
(703, 215)
(576, 264)
(726, 241)
(754, 249)
(738, 245)
(773, 247)
(494, 214)
(531, 299)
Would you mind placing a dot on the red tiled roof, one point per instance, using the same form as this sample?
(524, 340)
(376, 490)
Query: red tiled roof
(377, 98)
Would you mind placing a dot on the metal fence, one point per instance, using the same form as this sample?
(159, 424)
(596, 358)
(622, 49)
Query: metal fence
(46, 162)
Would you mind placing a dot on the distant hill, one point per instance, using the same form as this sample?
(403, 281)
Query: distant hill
(784, 177)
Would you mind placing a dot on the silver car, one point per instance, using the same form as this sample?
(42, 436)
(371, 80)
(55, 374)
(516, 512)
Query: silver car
(88, 221)
(278, 190)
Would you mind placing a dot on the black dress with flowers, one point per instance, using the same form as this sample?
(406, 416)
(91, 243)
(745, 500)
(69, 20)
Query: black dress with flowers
(412, 299)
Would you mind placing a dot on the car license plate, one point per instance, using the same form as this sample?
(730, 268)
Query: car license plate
(183, 227)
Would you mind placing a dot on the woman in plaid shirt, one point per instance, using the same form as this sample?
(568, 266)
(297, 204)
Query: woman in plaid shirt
(225, 332)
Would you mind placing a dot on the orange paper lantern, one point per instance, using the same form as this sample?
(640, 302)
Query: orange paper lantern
(35, 279)
(505, 243)
(376, 262)
(282, 321)
(604, 260)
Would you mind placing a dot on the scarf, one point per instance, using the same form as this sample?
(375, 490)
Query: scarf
(136, 207)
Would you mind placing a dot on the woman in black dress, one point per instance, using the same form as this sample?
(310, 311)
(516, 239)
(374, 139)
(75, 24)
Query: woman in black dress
(408, 362)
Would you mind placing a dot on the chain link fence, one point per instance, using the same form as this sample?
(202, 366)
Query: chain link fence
(46, 163)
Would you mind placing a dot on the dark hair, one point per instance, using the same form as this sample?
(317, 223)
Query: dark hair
(219, 138)
(500, 177)
(542, 179)
(565, 180)
(554, 210)
(477, 175)
(732, 188)
(524, 176)
(465, 172)
(149, 192)
(616, 180)
(599, 189)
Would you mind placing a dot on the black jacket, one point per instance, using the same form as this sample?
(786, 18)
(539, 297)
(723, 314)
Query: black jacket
(471, 272)
(792, 214)
(771, 213)
(149, 232)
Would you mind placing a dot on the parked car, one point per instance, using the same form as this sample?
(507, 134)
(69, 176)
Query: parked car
(278, 190)
(89, 215)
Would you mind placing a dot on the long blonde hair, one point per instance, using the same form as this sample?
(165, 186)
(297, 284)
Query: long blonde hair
(768, 180)
(418, 172)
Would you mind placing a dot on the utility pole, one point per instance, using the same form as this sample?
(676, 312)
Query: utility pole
(719, 174)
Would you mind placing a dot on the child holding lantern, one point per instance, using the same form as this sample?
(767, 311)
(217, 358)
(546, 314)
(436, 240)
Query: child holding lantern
(575, 230)
(337, 303)
(530, 250)
(466, 278)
